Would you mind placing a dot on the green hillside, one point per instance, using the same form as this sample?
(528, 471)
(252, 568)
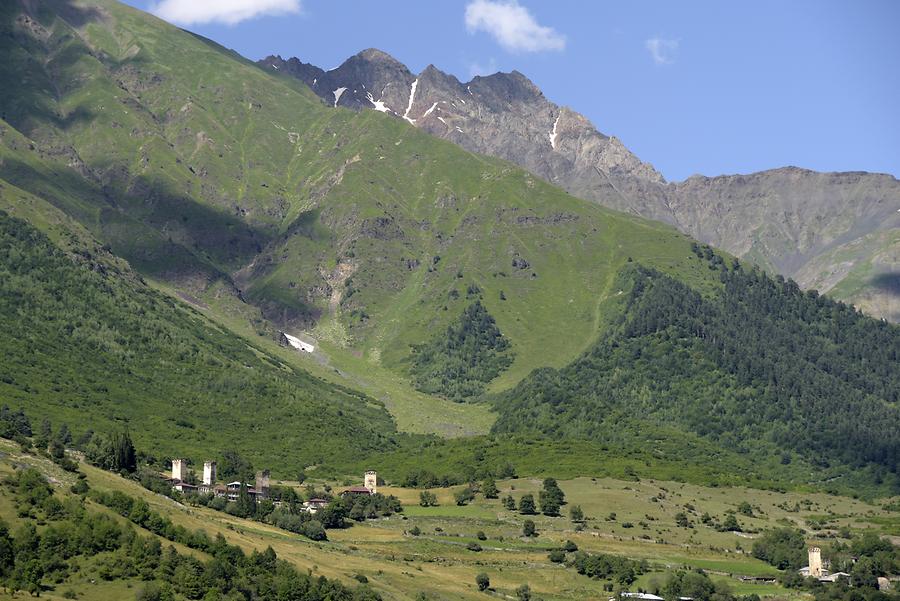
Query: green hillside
(87, 344)
(144, 163)
(760, 367)
(197, 167)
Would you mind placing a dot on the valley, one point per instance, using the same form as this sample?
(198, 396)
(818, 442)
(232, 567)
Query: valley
(635, 519)
(207, 259)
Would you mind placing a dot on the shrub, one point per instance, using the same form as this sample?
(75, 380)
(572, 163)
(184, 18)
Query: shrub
(483, 581)
(528, 528)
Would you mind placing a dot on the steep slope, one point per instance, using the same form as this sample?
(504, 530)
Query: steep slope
(819, 228)
(87, 343)
(213, 177)
(209, 174)
(760, 366)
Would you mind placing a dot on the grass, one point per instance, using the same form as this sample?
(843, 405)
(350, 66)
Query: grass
(359, 191)
(400, 565)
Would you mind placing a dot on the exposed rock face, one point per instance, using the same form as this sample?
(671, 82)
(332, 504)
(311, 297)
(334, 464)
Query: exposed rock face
(834, 232)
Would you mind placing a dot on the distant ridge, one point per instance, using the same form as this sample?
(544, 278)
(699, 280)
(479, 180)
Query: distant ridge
(834, 232)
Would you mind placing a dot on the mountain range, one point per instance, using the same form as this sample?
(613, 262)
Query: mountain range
(171, 209)
(834, 232)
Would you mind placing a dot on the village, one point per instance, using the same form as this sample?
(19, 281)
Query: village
(182, 480)
(258, 491)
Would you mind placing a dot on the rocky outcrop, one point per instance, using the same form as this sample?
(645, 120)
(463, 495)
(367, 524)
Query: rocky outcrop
(830, 231)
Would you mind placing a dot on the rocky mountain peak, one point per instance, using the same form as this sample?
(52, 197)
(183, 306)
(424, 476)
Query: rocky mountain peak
(819, 228)
(374, 55)
(511, 87)
(502, 114)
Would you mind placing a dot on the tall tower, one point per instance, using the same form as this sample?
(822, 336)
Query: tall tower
(179, 469)
(815, 562)
(262, 484)
(209, 473)
(370, 481)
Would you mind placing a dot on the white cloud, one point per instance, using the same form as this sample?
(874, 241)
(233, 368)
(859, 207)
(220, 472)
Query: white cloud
(662, 51)
(512, 26)
(229, 12)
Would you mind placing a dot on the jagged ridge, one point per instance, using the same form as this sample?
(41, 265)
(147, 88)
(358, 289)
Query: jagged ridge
(830, 231)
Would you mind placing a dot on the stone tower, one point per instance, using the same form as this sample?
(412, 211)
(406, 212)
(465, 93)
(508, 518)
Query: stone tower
(262, 484)
(370, 481)
(815, 562)
(209, 473)
(179, 469)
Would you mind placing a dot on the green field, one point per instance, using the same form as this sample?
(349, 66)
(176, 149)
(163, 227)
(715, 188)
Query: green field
(399, 565)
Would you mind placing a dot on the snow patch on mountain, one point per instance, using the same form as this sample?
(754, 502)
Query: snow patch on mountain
(428, 112)
(553, 134)
(378, 105)
(412, 98)
(337, 95)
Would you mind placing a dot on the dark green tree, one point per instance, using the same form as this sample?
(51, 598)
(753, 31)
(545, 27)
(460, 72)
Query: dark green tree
(576, 514)
(528, 528)
(526, 505)
(427, 499)
(489, 489)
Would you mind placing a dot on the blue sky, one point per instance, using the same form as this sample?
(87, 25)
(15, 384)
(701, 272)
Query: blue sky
(692, 87)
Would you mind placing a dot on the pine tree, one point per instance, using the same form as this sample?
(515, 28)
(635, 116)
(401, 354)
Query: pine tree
(489, 489)
(526, 505)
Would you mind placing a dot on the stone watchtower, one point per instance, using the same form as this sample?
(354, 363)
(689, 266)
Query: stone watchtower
(370, 481)
(179, 469)
(262, 484)
(815, 562)
(209, 473)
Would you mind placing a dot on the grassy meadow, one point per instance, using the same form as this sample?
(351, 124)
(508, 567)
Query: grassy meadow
(437, 562)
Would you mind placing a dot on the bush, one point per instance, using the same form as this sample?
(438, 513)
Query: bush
(557, 556)
(528, 528)
(480, 535)
(483, 581)
(473, 546)
(576, 514)
(464, 496)
(314, 530)
(415, 531)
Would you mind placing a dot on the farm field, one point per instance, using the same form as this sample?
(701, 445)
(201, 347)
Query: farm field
(437, 562)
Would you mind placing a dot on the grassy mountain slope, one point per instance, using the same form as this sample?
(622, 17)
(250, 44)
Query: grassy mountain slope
(760, 367)
(240, 190)
(202, 170)
(87, 343)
